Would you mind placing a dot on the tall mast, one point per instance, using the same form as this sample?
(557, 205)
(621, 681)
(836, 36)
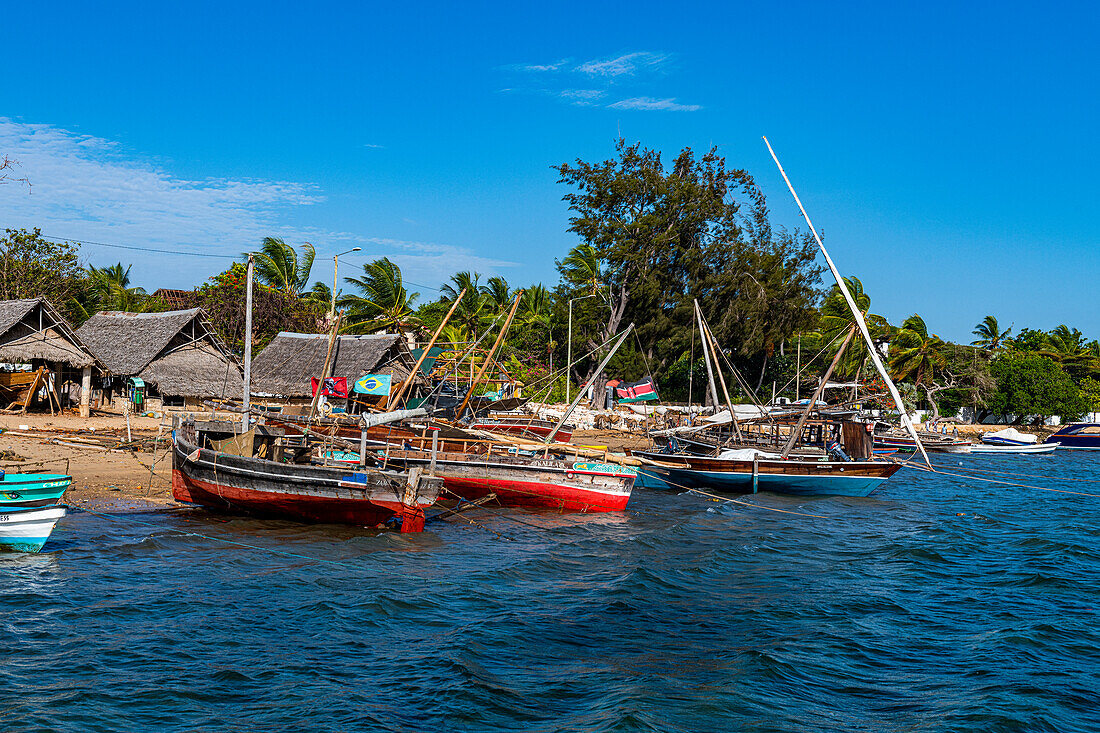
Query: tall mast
(393, 401)
(706, 356)
(247, 345)
(855, 313)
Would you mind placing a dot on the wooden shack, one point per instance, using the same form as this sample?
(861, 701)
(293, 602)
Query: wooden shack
(42, 358)
(177, 355)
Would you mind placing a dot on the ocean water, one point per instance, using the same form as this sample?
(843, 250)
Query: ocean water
(938, 604)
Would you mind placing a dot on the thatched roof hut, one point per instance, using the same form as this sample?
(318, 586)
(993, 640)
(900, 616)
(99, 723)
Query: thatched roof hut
(177, 352)
(33, 330)
(286, 366)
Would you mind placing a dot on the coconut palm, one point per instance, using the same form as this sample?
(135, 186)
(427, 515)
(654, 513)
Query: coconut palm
(583, 267)
(109, 289)
(836, 319)
(383, 301)
(497, 294)
(473, 310)
(916, 355)
(1065, 344)
(989, 333)
(280, 266)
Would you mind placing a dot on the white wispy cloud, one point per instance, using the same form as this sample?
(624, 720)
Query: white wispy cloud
(373, 145)
(88, 188)
(539, 68)
(589, 83)
(649, 104)
(582, 97)
(627, 64)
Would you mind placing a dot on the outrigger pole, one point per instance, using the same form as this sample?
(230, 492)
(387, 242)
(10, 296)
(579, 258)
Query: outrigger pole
(855, 312)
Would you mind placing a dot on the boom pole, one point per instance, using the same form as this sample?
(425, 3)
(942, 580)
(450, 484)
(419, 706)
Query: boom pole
(862, 324)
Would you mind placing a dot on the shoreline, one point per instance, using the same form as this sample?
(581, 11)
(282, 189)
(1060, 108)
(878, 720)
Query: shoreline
(111, 474)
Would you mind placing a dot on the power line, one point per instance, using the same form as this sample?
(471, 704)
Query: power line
(140, 249)
(137, 248)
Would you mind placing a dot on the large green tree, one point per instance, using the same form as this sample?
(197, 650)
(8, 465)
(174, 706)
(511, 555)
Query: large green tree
(655, 237)
(32, 266)
(1030, 384)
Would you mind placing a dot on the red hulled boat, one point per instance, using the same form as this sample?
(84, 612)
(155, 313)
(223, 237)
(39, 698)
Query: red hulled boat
(256, 485)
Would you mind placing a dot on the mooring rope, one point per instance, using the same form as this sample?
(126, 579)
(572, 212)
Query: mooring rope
(994, 481)
(716, 497)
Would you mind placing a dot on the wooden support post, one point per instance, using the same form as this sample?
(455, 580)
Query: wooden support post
(86, 392)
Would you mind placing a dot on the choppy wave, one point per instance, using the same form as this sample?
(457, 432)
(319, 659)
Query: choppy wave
(940, 604)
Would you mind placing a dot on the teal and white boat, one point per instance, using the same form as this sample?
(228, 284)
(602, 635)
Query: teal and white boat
(20, 491)
(26, 530)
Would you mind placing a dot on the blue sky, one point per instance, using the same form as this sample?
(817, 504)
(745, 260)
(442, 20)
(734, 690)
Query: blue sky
(948, 151)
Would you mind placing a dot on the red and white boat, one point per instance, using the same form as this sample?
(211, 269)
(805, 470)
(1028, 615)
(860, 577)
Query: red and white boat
(567, 484)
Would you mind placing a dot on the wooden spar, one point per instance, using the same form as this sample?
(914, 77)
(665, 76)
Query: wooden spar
(855, 312)
(328, 363)
(489, 358)
(817, 394)
(706, 355)
(247, 344)
(393, 402)
(722, 380)
(580, 393)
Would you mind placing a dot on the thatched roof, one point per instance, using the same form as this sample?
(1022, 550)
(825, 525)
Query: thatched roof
(288, 363)
(32, 329)
(177, 351)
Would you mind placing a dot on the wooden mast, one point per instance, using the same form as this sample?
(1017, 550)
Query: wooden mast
(721, 379)
(489, 358)
(793, 438)
(393, 401)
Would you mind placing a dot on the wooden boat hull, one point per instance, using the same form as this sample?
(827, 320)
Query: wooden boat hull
(539, 429)
(796, 478)
(537, 483)
(32, 490)
(27, 530)
(312, 493)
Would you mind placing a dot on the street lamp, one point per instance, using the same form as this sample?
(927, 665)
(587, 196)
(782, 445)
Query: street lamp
(569, 344)
(335, 265)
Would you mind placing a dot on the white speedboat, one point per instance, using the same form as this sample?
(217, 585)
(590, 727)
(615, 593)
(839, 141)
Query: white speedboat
(1010, 436)
(1010, 449)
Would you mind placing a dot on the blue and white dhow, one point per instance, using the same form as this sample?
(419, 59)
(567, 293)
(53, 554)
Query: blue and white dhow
(29, 508)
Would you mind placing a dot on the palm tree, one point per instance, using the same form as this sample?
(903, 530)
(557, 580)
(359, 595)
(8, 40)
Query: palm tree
(837, 318)
(384, 302)
(109, 289)
(915, 354)
(989, 333)
(583, 267)
(472, 310)
(320, 295)
(1065, 344)
(498, 294)
(279, 265)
